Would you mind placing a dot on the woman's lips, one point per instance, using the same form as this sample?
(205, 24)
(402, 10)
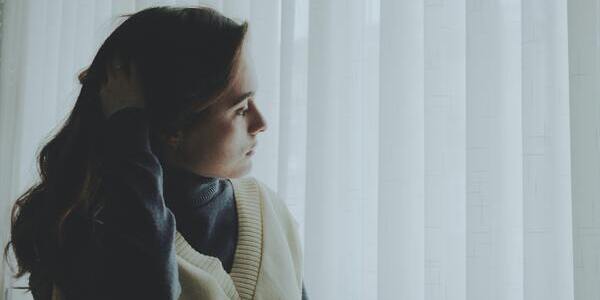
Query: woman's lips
(252, 149)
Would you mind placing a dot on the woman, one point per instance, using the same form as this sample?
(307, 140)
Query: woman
(141, 195)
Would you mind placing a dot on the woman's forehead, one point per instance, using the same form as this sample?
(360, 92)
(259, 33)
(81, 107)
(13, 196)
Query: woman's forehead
(243, 85)
(246, 77)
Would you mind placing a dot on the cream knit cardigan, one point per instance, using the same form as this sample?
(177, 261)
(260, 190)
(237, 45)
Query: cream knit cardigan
(268, 259)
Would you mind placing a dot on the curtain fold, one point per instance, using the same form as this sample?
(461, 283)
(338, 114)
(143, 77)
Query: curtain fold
(340, 222)
(401, 174)
(446, 147)
(494, 145)
(547, 208)
(428, 149)
(584, 92)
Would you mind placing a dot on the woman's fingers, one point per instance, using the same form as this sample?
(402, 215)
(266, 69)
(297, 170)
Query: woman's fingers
(115, 70)
(122, 88)
(133, 75)
(110, 71)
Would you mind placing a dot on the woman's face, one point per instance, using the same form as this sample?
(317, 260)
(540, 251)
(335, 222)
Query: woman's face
(219, 144)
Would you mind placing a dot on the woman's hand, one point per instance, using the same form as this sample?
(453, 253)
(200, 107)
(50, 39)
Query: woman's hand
(122, 89)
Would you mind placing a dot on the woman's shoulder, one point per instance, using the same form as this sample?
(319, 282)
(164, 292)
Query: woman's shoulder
(252, 185)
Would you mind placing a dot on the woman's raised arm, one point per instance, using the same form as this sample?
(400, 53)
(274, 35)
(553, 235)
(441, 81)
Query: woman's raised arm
(130, 253)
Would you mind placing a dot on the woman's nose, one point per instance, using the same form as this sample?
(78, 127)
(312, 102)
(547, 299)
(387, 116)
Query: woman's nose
(260, 124)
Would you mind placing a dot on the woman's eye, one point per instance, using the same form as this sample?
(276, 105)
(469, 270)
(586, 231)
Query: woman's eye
(242, 111)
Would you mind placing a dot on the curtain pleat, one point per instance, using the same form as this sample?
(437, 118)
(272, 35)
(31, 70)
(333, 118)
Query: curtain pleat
(428, 149)
(584, 108)
(401, 174)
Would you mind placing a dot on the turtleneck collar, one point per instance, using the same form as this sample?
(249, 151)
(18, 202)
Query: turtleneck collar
(186, 189)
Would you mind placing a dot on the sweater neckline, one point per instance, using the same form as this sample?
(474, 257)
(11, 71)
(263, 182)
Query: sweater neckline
(187, 190)
(241, 282)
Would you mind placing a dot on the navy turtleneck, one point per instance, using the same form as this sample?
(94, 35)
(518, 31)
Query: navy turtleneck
(205, 212)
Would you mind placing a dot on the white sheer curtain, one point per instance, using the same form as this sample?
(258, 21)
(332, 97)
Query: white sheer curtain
(430, 149)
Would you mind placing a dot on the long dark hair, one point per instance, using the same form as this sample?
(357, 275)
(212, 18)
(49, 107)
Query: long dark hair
(185, 57)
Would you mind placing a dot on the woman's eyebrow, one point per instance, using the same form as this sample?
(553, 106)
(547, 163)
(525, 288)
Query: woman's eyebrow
(242, 97)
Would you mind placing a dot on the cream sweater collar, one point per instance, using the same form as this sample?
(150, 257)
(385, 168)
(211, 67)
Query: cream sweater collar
(248, 254)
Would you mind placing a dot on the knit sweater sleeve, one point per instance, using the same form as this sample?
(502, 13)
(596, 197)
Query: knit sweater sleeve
(131, 254)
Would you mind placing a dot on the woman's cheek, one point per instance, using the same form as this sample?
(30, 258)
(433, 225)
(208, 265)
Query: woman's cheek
(225, 138)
